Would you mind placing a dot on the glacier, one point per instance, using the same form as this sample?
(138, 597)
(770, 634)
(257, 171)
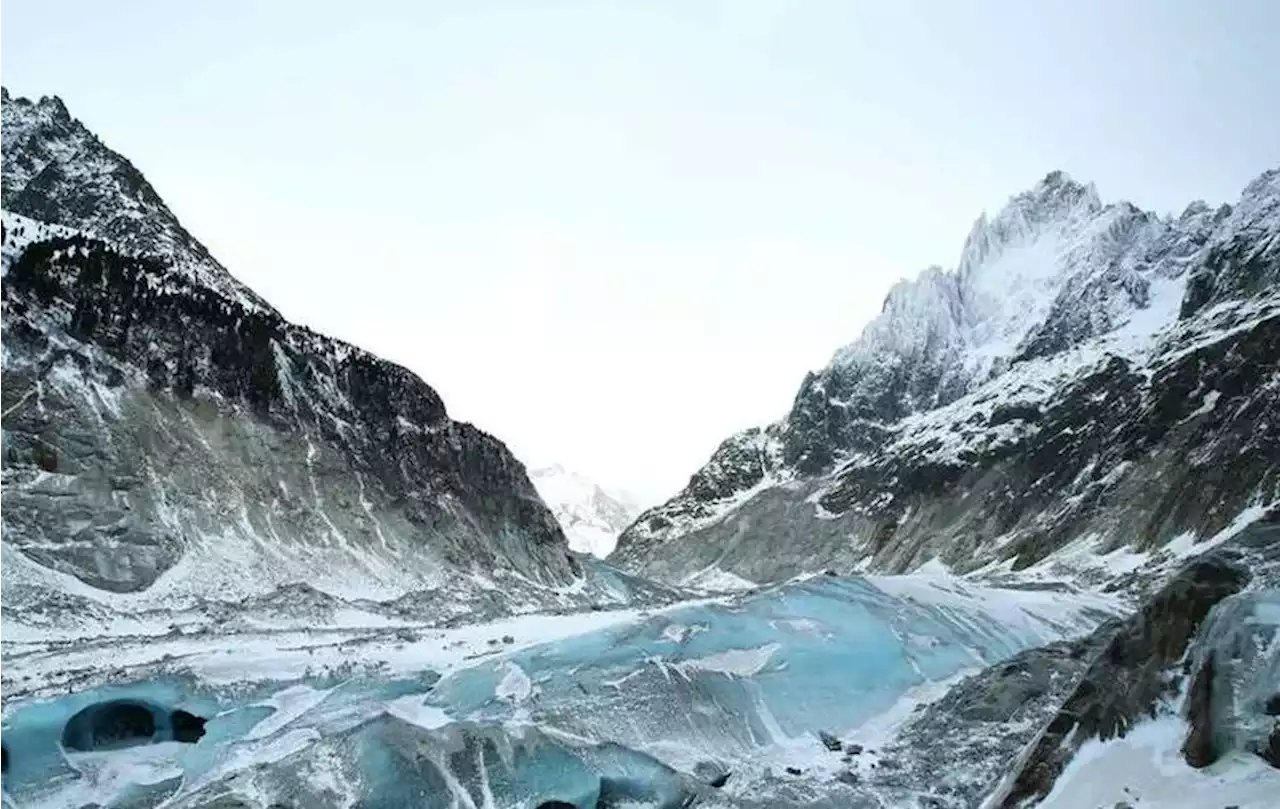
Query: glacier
(604, 708)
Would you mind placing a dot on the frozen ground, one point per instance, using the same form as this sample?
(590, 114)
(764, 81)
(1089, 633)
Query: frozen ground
(593, 708)
(1146, 768)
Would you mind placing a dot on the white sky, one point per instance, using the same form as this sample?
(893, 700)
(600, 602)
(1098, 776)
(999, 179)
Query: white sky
(614, 233)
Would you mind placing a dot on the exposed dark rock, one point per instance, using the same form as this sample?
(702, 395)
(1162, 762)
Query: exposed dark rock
(830, 741)
(794, 771)
(57, 171)
(712, 772)
(129, 353)
(123, 357)
(998, 697)
(1198, 749)
(1271, 754)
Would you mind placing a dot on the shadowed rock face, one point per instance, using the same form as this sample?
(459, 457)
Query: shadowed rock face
(141, 412)
(1199, 749)
(1131, 674)
(155, 411)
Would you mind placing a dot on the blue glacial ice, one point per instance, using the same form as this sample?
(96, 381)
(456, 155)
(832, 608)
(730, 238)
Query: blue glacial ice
(617, 716)
(1240, 640)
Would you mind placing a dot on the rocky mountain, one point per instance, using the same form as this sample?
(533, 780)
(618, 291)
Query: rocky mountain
(169, 439)
(592, 517)
(1088, 384)
(246, 565)
(57, 172)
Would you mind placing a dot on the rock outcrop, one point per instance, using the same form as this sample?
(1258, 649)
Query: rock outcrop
(1130, 675)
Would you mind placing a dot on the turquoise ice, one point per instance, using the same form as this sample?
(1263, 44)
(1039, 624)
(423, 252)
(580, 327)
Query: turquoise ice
(613, 716)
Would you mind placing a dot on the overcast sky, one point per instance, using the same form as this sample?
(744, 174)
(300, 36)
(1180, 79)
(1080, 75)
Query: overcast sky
(614, 233)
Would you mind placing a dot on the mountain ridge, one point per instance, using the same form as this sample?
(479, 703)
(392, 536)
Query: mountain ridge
(169, 437)
(1046, 293)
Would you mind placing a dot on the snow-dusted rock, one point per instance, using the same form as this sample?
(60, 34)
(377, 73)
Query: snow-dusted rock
(58, 172)
(171, 441)
(1065, 391)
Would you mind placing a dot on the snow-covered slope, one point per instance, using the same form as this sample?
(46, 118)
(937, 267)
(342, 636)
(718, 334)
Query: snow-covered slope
(22, 231)
(592, 516)
(1087, 371)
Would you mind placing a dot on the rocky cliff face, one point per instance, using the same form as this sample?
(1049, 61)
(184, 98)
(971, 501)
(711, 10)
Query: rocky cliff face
(1088, 377)
(169, 437)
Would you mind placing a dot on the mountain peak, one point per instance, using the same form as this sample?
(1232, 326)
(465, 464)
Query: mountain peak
(1059, 180)
(58, 172)
(55, 107)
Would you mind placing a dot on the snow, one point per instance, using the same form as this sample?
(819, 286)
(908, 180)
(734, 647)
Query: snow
(1024, 610)
(715, 580)
(515, 686)
(733, 662)
(22, 231)
(1145, 768)
(591, 515)
(1011, 294)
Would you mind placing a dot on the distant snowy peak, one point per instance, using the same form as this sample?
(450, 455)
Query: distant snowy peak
(592, 516)
(1011, 269)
